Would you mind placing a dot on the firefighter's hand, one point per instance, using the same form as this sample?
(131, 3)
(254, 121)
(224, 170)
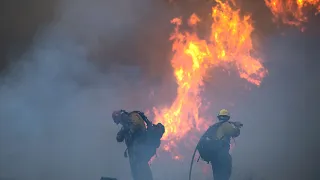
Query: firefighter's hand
(120, 135)
(120, 138)
(161, 128)
(237, 124)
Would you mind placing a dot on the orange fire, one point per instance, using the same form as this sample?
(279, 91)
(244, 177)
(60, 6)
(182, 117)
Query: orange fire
(292, 12)
(229, 46)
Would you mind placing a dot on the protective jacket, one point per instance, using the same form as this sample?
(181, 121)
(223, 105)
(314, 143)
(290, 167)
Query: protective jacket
(142, 139)
(133, 128)
(217, 138)
(214, 148)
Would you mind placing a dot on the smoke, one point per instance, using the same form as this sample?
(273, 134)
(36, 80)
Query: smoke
(56, 101)
(269, 143)
(97, 56)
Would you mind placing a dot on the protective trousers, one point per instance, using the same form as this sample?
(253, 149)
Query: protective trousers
(140, 168)
(221, 165)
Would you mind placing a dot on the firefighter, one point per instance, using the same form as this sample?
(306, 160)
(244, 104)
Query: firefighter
(214, 145)
(141, 137)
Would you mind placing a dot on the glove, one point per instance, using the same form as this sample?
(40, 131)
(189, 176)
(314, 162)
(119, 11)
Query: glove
(237, 124)
(161, 128)
(120, 135)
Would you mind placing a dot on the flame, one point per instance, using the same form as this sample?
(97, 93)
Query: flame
(229, 46)
(292, 12)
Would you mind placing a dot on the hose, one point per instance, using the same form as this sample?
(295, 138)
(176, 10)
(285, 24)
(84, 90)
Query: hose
(195, 150)
(192, 160)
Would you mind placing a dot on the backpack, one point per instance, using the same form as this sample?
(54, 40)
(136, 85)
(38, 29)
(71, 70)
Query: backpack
(154, 133)
(208, 146)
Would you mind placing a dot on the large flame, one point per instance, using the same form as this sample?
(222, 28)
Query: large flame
(292, 12)
(229, 46)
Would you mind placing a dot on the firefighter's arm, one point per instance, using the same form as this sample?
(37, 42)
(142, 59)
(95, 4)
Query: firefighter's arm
(120, 135)
(230, 130)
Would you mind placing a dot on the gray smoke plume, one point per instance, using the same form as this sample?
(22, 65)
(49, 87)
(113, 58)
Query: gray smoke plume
(55, 102)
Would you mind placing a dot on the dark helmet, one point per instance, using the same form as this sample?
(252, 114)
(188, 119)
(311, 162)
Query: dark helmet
(116, 116)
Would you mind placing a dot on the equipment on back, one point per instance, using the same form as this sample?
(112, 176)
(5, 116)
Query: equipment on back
(142, 130)
(208, 143)
(154, 133)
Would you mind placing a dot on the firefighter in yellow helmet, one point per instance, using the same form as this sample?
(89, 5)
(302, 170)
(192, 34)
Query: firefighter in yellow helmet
(214, 145)
(142, 138)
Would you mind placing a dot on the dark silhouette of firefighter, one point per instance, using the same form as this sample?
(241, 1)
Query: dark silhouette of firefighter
(214, 146)
(142, 139)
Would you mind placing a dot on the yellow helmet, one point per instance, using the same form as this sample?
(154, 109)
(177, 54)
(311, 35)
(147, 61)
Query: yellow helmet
(223, 112)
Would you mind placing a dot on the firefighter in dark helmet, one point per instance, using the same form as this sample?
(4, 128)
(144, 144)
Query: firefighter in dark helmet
(214, 145)
(141, 137)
